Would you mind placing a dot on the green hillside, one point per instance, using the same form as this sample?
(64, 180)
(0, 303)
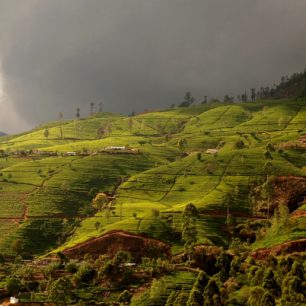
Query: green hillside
(34, 186)
(49, 177)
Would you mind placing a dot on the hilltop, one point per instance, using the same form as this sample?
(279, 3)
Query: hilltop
(242, 166)
(292, 87)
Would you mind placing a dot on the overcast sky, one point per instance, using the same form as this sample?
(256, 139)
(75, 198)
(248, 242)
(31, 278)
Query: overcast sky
(57, 55)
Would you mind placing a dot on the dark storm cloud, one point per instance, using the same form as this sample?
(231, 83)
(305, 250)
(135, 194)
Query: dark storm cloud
(136, 54)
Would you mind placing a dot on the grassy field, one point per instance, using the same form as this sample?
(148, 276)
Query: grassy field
(53, 192)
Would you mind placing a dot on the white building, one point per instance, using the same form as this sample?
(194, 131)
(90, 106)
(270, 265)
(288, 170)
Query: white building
(115, 148)
(13, 300)
(212, 151)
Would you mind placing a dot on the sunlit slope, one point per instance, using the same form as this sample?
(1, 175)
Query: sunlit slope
(57, 189)
(99, 126)
(51, 195)
(212, 183)
(61, 132)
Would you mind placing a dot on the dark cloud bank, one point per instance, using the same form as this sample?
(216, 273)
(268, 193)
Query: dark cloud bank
(135, 54)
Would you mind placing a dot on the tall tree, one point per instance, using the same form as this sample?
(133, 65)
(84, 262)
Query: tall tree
(267, 189)
(244, 97)
(205, 100)
(182, 144)
(100, 107)
(100, 201)
(196, 294)
(212, 293)
(228, 99)
(130, 123)
(46, 133)
(253, 94)
(188, 100)
(189, 233)
(60, 291)
(60, 117)
(92, 105)
(78, 113)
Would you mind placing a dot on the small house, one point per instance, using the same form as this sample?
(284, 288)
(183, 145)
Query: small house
(115, 148)
(13, 300)
(71, 153)
(130, 264)
(211, 151)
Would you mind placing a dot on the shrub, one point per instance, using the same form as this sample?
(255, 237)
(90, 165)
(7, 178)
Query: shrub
(85, 274)
(71, 267)
(13, 285)
(125, 297)
(239, 144)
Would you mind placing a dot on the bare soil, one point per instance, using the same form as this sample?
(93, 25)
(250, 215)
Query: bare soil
(290, 190)
(284, 248)
(114, 241)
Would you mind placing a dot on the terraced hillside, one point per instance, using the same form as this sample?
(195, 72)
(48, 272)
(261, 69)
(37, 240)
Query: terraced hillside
(97, 207)
(48, 180)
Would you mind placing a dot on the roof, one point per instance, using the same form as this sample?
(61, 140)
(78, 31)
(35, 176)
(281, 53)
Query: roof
(212, 151)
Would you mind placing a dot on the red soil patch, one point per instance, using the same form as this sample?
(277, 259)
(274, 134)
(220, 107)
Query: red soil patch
(223, 213)
(298, 214)
(287, 247)
(114, 241)
(290, 190)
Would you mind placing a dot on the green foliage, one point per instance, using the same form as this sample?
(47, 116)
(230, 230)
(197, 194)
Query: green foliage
(46, 133)
(125, 297)
(239, 144)
(195, 298)
(13, 286)
(71, 267)
(235, 265)
(189, 233)
(85, 274)
(196, 294)
(121, 258)
(172, 297)
(60, 291)
(181, 299)
(224, 264)
(258, 277)
(100, 201)
(182, 144)
(46, 200)
(267, 299)
(270, 283)
(157, 290)
(212, 293)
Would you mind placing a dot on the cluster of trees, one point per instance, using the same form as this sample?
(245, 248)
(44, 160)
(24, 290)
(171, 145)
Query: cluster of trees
(266, 283)
(293, 86)
(221, 272)
(288, 87)
(64, 280)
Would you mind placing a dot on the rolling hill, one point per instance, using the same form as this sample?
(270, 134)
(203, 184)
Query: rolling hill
(36, 185)
(238, 164)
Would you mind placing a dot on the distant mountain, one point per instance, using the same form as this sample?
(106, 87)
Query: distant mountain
(2, 134)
